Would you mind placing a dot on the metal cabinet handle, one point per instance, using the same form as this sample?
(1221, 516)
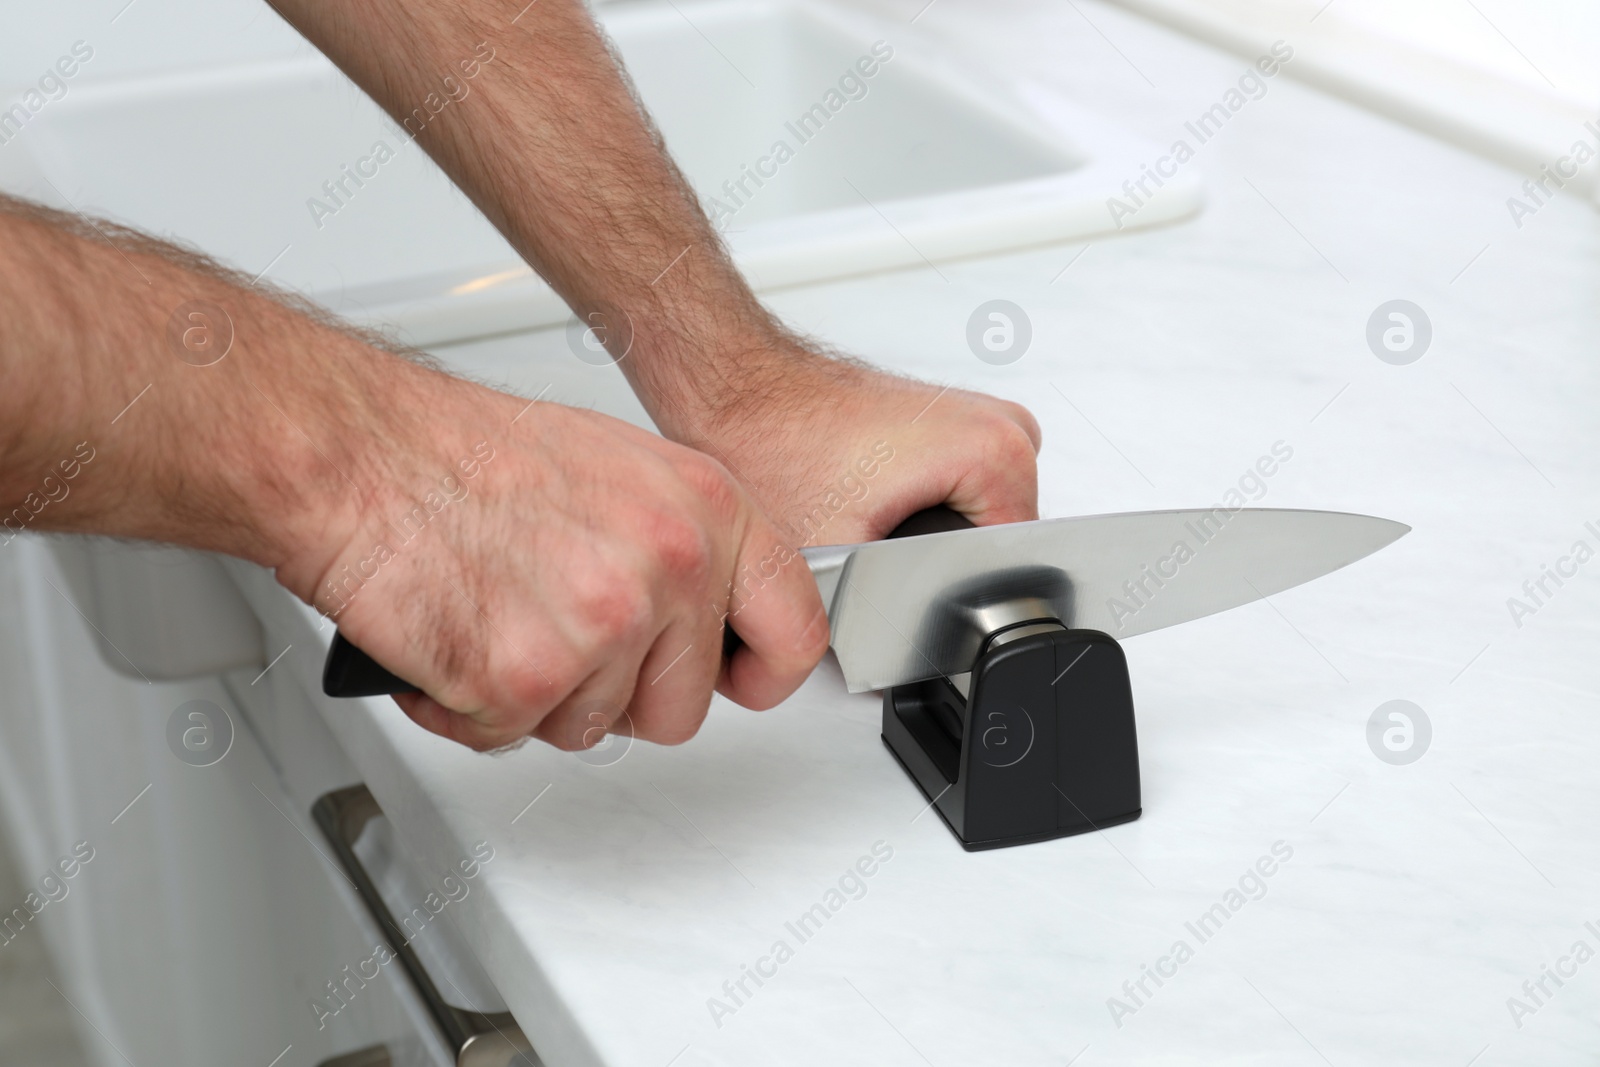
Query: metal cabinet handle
(478, 1039)
(375, 1056)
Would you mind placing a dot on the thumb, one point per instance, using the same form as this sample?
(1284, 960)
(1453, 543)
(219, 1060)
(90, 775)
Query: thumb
(774, 607)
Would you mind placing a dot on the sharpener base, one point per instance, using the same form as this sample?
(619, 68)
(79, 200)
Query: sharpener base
(1042, 746)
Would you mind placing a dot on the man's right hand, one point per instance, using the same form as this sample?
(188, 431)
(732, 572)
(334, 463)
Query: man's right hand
(537, 569)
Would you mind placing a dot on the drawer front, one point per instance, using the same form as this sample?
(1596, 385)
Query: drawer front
(208, 923)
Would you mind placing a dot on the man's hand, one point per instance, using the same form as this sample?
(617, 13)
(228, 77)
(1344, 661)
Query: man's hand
(576, 568)
(555, 151)
(837, 452)
(535, 568)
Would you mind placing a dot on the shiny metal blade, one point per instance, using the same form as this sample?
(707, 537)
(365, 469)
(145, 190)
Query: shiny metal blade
(918, 607)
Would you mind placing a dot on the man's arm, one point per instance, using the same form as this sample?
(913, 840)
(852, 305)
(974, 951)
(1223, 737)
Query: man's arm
(536, 568)
(552, 147)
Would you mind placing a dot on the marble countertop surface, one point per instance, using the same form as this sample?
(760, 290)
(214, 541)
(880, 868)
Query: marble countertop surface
(1411, 907)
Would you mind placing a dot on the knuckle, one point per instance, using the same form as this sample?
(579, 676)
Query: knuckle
(526, 687)
(466, 696)
(710, 481)
(616, 606)
(1011, 443)
(683, 549)
(1029, 425)
(455, 694)
(486, 731)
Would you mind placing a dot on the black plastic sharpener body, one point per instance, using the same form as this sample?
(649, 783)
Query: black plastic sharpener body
(1042, 744)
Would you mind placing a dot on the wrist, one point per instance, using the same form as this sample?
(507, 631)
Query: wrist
(700, 393)
(326, 429)
(407, 444)
(311, 468)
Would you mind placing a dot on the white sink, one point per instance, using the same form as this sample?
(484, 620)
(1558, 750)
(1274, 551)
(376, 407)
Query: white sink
(930, 163)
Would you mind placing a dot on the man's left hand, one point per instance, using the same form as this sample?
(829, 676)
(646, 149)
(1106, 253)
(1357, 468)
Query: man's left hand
(838, 452)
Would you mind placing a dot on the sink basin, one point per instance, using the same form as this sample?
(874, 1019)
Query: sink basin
(918, 161)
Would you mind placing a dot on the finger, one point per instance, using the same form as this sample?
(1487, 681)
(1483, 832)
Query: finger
(486, 692)
(776, 609)
(595, 707)
(1024, 418)
(521, 700)
(1001, 482)
(457, 726)
(676, 679)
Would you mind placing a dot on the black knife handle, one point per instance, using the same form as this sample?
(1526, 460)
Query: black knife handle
(937, 519)
(350, 672)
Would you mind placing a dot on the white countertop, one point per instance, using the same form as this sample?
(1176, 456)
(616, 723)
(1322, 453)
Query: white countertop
(1417, 899)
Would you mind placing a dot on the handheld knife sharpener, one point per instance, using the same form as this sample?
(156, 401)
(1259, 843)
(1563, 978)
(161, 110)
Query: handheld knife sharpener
(1038, 740)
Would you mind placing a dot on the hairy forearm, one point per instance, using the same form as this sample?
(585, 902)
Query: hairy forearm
(110, 423)
(549, 142)
(532, 595)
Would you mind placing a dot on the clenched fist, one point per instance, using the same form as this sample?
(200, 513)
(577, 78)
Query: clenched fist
(544, 571)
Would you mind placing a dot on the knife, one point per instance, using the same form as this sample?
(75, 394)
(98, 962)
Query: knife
(920, 603)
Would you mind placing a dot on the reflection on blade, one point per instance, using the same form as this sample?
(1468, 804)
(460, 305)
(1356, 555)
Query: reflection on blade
(918, 607)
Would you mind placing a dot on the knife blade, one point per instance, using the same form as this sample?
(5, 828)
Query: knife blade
(920, 603)
(917, 607)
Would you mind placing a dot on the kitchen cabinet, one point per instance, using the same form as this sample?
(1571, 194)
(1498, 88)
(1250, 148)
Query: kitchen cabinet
(203, 921)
